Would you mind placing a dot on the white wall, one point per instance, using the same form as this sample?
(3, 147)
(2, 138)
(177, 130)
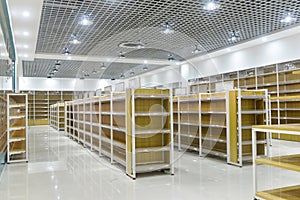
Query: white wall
(5, 83)
(54, 84)
(277, 51)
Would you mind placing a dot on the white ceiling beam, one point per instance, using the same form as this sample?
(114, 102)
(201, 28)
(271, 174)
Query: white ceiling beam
(102, 59)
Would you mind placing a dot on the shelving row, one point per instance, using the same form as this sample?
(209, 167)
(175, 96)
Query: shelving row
(17, 128)
(220, 123)
(57, 116)
(279, 79)
(131, 128)
(39, 103)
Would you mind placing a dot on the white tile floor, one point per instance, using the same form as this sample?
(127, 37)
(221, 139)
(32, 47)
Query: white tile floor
(59, 168)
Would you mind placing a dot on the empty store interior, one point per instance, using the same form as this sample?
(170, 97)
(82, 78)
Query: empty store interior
(125, 99)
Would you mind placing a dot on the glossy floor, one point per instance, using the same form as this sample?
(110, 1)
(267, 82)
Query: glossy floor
(59, 168)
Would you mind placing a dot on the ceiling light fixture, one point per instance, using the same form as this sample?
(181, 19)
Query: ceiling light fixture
(122, 76)
(55, 70)
(103, 66)
(211, 5)
(288, 18)
(26, 14)
(196, 50)
(66, 51)
(171, 57)
(25, 46)
(132, 44)
(94, 71)
(57, 63)
(167, 29)
(145, 68)
(25, 33)
(74, 40)
(234, 36)
(122, 54)
(132, 73)
(85, 21)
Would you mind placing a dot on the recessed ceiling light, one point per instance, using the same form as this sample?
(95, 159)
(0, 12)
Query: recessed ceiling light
(66, 51)
(74, 40)
(25, 46)
(103, 66)
(57, 63)
(122, 55)
(132, 73)
(25, 33)
(55, 70)
(234, 36)
(288, 18)
(85, 21)
(196, 50)
(171, 57)
(211, 5)
(145, 61)
(167, 29)
(264, 39)
(26, 14)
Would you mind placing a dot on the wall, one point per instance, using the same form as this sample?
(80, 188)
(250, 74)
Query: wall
(57, 84)
(5, 83)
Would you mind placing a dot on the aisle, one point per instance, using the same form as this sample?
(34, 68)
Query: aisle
(59, 168)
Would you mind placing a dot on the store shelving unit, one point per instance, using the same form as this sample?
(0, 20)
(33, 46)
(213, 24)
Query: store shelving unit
(17, 124)
(285, 110)
(246, 108)
(57, 116)
(222, 122)
(3, 125)
(288, 162)
(186, 123)
(39, 103)
(132, 128)
(214, 124)
(68, 118)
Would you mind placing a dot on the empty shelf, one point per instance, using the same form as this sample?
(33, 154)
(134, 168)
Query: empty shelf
(286, 193)
(291, 162)
(152, 114)
(151, 167)
(152, 149)
(147, 131)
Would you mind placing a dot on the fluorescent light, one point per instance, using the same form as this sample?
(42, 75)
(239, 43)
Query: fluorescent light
(167, 29)
(211, 5)
(103, 66)
(25, 33)
(74, 40)
(145, 61)
(288, 18)
(264, 39)
(26, 14)
(85, 21)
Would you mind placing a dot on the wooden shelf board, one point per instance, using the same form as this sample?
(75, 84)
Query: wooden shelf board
(291, 162)
(286, 193)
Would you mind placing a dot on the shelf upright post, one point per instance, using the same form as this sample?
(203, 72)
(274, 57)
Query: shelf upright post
(8, 128)
(133, 132)
(200, 122)
(179, 123)
(278, 94)
(99, 124)
(91, 122)
(84, 121)
(78, 130)
(111, 130)
(26, 124)
(227, 102)
(57, 115)
(171, 132)
(240, 127)
(254, 154)
(267, 121)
